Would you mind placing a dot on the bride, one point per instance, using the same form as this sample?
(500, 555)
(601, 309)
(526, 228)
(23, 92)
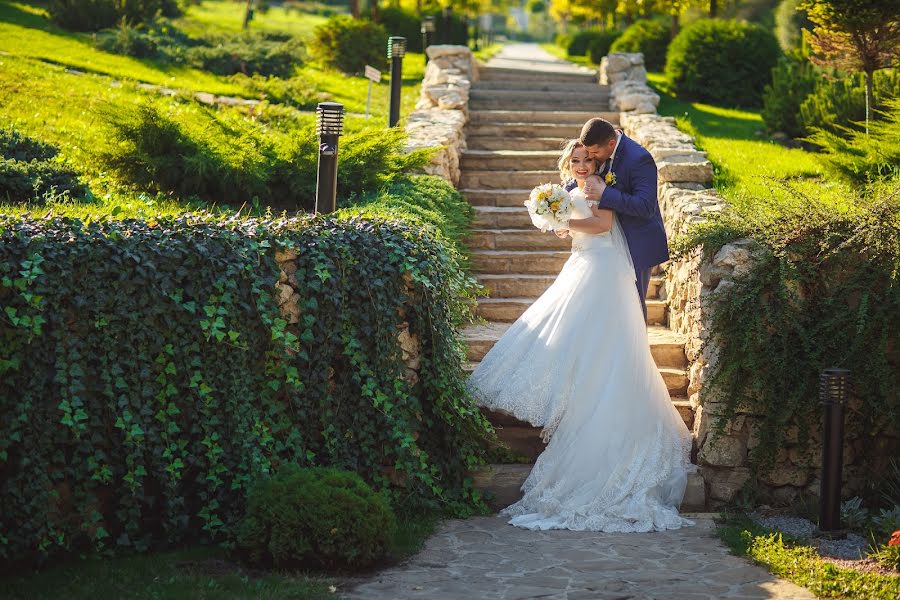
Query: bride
(578, 364)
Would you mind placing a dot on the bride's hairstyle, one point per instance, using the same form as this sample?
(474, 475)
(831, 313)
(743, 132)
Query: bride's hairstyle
(565, 160)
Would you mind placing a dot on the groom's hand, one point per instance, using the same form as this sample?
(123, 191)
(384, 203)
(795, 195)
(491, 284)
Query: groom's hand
(593, 189)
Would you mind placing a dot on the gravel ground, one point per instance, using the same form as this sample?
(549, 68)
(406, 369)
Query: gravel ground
(853, 547)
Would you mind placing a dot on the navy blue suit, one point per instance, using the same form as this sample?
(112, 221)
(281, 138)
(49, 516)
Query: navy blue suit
(634, 200)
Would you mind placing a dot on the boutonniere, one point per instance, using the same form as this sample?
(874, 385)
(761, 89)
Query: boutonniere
(610, 179)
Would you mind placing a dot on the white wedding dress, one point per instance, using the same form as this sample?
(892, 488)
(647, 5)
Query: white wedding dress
(578, 363)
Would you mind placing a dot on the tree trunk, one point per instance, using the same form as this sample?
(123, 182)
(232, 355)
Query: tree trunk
(354, 8)
(375, 14)
(870, 97)
(713, 8)
(248, 14)
(675, 25)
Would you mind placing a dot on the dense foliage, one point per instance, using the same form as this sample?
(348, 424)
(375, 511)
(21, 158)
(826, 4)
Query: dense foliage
(724, 62)
(824, 291)
(315, 517)
(841, 102)
(148, 376)
(646, 36)
(30, 168)
(241, 161)
(599, 45)
(91, 15)
(349, 44)
(859, 157)
(790, 21)
(579, 43)
(793, 80)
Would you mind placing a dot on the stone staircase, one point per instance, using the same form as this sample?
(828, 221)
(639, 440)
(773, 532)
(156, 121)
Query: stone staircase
(514, 136)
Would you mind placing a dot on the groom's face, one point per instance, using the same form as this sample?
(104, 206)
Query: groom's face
(601, 152)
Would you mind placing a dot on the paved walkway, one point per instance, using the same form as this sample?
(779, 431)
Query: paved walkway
(483, 558)
(531, 57)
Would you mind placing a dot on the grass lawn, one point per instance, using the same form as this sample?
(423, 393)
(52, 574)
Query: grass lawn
(746, 161)
(561, 53)
(801, 564)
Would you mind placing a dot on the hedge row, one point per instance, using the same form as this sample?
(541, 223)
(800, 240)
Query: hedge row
(147, 376)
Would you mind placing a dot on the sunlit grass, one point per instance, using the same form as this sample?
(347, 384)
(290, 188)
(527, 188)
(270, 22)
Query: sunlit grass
(226, 16)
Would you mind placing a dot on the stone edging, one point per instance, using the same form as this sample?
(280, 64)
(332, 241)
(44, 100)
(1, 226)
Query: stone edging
(442, 111)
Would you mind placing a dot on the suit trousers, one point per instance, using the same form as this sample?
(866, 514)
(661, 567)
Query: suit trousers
(642, 278)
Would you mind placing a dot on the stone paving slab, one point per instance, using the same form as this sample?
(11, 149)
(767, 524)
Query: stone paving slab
(484, 558)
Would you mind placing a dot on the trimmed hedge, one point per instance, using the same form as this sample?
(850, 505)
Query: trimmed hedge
(599, 46)
(650, 37)
(349, 44)
(148, 377)
(724, 62)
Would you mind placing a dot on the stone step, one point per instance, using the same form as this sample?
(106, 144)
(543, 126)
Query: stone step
(508, 160)
(540, 104)
(500, 309)
(657, 283)
(504, 484)
(526, 97)
(548, 262)
(551, 117)
(499, 198)
(510, 129)
(666, 346)
(502, 217)
(516, 285)
(516, 239)
(504, 179)
(505, 142)
(504, 74)
(540, 85)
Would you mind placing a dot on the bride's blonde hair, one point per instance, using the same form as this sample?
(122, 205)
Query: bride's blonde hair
(565, 160)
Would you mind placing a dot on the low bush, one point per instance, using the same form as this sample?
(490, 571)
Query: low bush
(298, 91)
(723, 62)
(234, 161)
(148, 376)
(650, 37)
(29, 169)
(600, 44)
(349, 44)
(793, 79)
(315, 517)
(93, 15)
(859, 157)
(405, 23)
(249, 53)
(580, 41)
(837, 103)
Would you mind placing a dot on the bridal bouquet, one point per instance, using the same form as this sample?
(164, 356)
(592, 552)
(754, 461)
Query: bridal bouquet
(550, 207)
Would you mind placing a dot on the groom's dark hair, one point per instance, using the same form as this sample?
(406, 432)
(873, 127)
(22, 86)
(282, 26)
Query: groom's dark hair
(597, 132)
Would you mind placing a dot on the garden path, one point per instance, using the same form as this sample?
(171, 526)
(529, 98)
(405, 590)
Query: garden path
(483, 558)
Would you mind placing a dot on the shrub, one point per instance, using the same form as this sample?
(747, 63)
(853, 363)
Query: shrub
(237, 161)
(793, 79)
(248, 53)
(723, 62)
(397, 21)
(600, 44)
(579, 42)
(298, 91)
(349, 44)
(837, 103)
(92, 15)
(148, 376)
(29, 169)
(562, 40)
(650, 37)
(859, 157)
(318, 517)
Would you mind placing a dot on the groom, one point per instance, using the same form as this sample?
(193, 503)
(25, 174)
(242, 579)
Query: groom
(628, 187)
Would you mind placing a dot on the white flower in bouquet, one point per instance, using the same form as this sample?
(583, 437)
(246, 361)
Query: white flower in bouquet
(550, 207)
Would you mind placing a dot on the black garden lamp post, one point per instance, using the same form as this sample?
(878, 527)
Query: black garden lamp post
(329, 126)
(834, 387)
(396, 50)
(427, 33)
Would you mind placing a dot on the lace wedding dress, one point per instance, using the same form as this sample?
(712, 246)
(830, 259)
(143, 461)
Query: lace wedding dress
(578, 363)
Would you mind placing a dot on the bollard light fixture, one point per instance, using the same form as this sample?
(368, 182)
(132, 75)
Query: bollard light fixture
(428, 24)
(834, 389)
(396, 50)
(396, 47)
(427, 33)
(329, 127)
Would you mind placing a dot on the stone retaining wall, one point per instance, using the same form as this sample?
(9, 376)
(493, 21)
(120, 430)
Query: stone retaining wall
(442, 111)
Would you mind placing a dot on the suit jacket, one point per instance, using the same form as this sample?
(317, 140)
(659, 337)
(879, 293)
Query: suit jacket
(633, 198)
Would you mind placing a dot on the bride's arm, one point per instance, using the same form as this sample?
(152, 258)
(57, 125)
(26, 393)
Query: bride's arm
(601, 222)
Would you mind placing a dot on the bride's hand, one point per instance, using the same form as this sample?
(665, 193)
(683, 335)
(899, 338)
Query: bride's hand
(562, 233)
